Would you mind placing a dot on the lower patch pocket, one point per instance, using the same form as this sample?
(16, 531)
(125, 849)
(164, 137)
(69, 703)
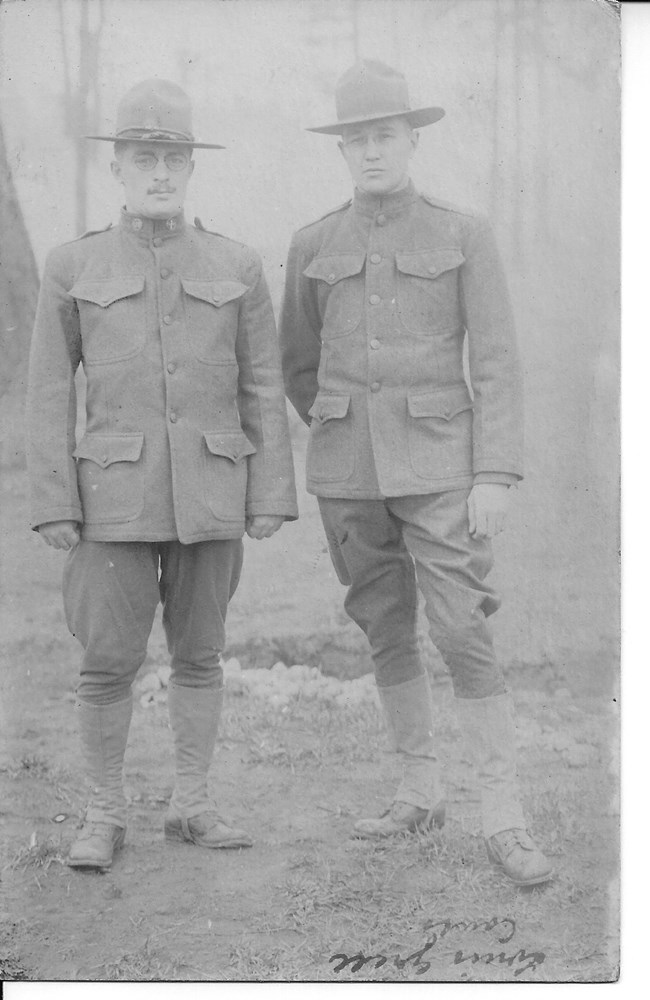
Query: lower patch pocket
(110, 475)
(225, 473)
(330, 451)
(440, 432)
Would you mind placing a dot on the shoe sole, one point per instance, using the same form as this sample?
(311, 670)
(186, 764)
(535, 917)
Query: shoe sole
(437, 821)
(522, 883)
(178, 837)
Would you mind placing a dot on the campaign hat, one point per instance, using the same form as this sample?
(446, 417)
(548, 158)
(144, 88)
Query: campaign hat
(155, 111)
(370, 90)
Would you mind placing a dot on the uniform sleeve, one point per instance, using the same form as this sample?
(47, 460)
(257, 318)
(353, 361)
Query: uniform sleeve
(262, 405)
(300, 327)
(495, 372)
(51, 400)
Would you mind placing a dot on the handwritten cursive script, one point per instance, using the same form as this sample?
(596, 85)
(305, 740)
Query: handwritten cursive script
(505, 928)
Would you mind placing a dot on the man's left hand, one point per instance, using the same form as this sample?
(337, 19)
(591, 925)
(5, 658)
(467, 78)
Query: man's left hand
(263, 525)
(488, 505)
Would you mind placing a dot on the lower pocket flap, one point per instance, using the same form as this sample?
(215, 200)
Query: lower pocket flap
(216, 292)
(105, 449)
(330, 407)
(445, 403)
(229, 444)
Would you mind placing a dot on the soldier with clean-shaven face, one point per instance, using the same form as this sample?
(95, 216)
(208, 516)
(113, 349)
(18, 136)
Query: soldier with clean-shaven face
(412, 466)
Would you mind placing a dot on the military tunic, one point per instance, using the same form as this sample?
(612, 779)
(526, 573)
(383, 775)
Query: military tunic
(380, 295)
(186, 428)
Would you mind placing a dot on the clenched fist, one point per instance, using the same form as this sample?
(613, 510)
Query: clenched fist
(263, 525)
(488, 505)
(60, 534)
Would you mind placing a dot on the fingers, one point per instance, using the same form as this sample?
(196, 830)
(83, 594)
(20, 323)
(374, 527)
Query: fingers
(263, 526)
(61, 536)
(471, 510)
(488, 524)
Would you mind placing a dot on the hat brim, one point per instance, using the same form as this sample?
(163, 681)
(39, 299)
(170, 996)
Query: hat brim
(156, 142)
(417, 118)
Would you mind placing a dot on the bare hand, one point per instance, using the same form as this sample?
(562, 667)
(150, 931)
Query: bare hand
(263, 525)
(60, 534)
(488, 505)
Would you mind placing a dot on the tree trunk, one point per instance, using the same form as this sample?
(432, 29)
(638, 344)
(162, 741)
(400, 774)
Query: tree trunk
(18, 281)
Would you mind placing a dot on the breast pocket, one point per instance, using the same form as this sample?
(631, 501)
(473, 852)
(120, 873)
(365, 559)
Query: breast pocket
(110, 475)
(340, 291)
(427, 289)
(225, 473)
(212, 315)
(112, 314)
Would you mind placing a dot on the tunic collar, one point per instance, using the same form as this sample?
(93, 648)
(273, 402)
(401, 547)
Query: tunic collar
(388, 204)
(146, 229)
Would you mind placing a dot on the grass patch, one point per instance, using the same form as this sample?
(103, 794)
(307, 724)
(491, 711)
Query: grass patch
(144, 964)
(35, 855)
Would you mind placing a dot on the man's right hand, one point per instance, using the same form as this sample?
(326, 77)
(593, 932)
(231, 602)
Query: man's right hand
(60, 534)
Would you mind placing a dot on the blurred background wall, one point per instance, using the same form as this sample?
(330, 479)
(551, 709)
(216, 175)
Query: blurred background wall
(531, 136)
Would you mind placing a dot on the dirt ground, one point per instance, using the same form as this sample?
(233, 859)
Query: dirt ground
(306, 902)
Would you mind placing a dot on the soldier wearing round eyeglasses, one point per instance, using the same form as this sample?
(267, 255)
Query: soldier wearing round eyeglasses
(186, 447)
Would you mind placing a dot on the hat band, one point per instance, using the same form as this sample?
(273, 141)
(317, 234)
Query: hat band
(152, 133)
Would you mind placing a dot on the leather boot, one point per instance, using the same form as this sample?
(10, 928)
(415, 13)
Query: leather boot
(418, 802)
(192, 818)
(104, 731)
(489, 730)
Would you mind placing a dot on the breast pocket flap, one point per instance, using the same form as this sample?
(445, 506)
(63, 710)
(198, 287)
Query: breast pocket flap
(333, 407)
(335, 267)
(105, 449)
(105, 291)
(216, 292)
(233, 445)
(444, 404)
(428, 263)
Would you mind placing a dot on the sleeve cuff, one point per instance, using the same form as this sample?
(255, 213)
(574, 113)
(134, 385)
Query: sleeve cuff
(504, 478)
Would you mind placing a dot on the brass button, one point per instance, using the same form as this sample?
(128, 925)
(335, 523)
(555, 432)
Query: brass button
(136, 225)
(104, 458)
(381, 219)
(157, 242)
(173, 417)
(375, 300)
(171, 367)
(375, 387)
(331, 277)
(164, 273)
(375, 258)
(433, 269)
(167, 320)
(375, 344)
